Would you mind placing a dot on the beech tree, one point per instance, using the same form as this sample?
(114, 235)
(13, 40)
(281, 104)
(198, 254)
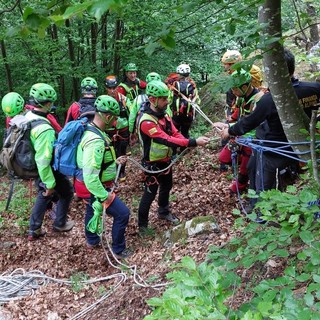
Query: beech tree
(291, 114)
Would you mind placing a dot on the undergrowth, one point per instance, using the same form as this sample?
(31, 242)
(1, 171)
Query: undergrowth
(276, 266)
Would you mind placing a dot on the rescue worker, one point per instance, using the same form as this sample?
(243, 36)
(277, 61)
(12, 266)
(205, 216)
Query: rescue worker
(97, 158)
(263, 171)
(120, 133)
(183, 112)
(50, 183)
(229, 58)
(85, 106)
(158, 136)
(131, 85)
(137, 108)
(249, 96)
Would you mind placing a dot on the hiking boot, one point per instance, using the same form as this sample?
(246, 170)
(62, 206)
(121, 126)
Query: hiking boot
(122, 177)
(67, 227)
(126, 253)
(36, 234)
(94, 246)
(169, 217)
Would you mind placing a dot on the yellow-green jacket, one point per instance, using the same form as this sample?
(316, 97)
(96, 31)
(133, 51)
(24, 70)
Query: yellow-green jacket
(42, 138)
(97, 161)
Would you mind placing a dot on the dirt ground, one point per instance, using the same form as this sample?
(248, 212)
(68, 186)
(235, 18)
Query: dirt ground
(119, 292)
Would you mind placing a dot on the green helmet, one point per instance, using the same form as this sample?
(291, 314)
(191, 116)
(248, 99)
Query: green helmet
(239, 78)
(130, 67)
(157, 89)
(153, 76)
(42, 92)
(12, 104)
(89, 85)
(107, 104)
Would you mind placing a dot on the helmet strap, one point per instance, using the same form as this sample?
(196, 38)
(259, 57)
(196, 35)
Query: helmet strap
(103, 118)
(244, 92)
(43, 106)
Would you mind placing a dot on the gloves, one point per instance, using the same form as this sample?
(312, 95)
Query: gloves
(106, 203)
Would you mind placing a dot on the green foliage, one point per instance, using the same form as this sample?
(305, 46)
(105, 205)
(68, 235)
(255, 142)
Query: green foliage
(282, 263)
(198, 292)
(19, 209)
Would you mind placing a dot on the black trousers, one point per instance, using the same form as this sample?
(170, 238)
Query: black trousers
(263, 170)
(153, 182)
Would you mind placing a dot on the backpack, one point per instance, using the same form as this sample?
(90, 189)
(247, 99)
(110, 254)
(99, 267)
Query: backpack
(179, 104)
(17, 154)
(65, 147)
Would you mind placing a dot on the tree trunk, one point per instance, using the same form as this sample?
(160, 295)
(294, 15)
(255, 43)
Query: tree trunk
(72, 59)
(104, 45)
(118, 34)
(94, 36)
(314, 31)
(6, 65)
(291, 115)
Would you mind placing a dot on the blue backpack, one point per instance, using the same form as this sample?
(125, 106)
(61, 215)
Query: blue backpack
(65, 147)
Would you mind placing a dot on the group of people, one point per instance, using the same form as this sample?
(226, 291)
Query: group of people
(160, 118)
(254, 114)
(115, 119)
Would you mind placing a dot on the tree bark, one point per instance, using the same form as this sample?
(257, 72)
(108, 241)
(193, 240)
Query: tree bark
(6, 65)
(291, 114)
(118, 34)
(314, 31)
(72, 59)
(94, 36)
(104, 42)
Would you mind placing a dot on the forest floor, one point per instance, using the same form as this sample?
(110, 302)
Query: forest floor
(199, 190)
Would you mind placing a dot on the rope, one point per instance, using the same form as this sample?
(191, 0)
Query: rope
(122, 267)
(257, 144)
(175, 159)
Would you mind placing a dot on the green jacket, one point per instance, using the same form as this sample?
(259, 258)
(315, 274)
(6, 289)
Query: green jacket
(135, 107)
(97, 162)
(42, 139)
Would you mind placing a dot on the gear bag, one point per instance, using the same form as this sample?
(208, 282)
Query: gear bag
(65, 147)
(17, 154)
(181, 105)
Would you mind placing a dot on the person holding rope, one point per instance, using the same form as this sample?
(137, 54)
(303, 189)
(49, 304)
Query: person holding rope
(158, 136)
(120, 133)
(263, 167)
(233, 153)
(97, 159)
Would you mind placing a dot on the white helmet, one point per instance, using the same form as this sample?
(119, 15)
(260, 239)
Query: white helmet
(183, 69)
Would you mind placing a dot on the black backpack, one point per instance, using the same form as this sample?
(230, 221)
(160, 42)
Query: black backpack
(179, 104)
(17, 154)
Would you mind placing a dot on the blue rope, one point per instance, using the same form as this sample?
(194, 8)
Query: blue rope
(316, 215)
(257, 144)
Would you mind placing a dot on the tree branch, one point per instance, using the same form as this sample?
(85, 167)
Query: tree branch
(10, 9)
